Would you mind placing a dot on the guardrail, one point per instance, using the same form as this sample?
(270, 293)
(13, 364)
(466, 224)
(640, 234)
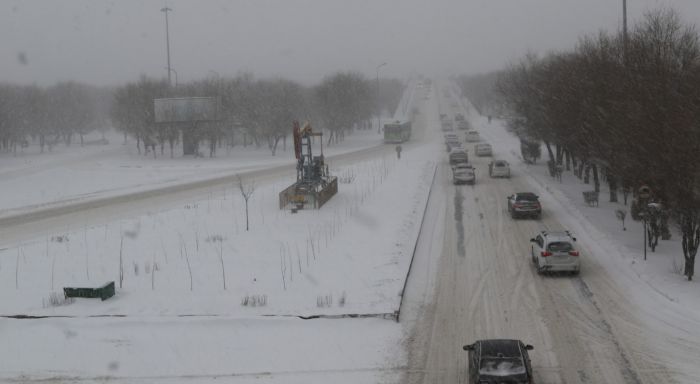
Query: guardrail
(415, 247)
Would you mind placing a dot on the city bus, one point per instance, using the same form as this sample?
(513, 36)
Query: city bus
(397, 132)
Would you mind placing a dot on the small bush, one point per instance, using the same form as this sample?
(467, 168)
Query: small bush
(324, 301)
(254, 301)
(215, 238)
(60, 239)
(676, 267)
(56, 300)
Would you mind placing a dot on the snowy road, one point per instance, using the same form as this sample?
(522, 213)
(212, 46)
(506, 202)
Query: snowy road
(584, 329)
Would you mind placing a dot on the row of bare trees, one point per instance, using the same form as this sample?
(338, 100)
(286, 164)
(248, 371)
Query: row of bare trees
(627, 106)
(50, 115)
(253, 111)
(257, 111)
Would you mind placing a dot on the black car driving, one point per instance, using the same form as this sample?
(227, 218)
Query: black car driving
(524, 204)
(499, 361)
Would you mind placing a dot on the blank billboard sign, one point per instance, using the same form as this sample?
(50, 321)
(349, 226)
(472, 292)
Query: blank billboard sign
(186, 109)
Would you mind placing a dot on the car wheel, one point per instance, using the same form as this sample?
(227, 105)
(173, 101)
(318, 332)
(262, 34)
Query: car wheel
(576, 272)
(539, 269)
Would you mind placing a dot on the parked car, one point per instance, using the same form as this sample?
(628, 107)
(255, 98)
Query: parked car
(463, 125)
(473, 137)
(463, 173)
(459, 117)
(499, 168)
(499, 361)
(524, 204)
(555, 252)
(483, 149)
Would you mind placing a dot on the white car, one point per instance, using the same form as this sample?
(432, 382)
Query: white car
(483, 149)
(555, 252)
(499, 168)
(473, 137)
(463, 174)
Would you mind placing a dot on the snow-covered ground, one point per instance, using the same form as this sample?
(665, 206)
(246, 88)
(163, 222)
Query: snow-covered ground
(174, 321)
(202, 298)
(32, 180)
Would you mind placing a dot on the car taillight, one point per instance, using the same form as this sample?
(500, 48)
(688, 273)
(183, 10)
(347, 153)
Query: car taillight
(545, 253)
(573, 253)
(516, 205)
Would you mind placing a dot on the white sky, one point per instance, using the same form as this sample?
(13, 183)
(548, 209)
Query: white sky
(110, 42)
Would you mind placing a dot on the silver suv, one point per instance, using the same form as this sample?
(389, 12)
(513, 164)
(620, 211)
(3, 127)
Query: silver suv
(555, 252)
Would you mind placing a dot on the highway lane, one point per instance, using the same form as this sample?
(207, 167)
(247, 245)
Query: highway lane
(484, 286)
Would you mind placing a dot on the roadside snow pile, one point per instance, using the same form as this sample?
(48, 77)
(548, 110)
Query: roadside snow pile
(350, 257)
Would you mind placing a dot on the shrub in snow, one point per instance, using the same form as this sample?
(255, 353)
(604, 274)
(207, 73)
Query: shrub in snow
(60, 239)
(324, 301)
(56, 300)
(254, 301)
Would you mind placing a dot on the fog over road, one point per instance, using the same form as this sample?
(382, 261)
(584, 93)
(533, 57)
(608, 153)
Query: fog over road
(473, 279)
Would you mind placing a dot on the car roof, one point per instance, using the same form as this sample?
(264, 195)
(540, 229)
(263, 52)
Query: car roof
(557, 235)
(507, 347)
(526, 194)
(500, 162)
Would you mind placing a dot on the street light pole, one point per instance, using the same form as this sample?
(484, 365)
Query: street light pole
(645, 238)
(174, 71)
(379, 111)
(624, 25)
(167, 41)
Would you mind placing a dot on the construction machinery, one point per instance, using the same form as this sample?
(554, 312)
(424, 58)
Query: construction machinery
(314, 185)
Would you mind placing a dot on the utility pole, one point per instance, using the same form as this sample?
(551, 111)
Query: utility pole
(379, 110)
(167, 40)
(624, 25)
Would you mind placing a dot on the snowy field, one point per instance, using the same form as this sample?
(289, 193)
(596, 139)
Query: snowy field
(349, 257)
(173, 320)
(32, 180)
(201, 298)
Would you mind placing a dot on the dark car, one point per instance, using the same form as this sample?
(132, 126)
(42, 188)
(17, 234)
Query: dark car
(524, 204)
(499, 361)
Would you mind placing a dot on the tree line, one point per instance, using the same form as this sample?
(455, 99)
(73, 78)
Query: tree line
(253, 111)
(624, 106)
(50, 115)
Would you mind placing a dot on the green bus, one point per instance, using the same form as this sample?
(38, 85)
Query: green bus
(397, 132)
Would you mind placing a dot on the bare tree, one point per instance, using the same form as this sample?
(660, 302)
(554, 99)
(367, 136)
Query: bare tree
(596, 100)
(247, 190)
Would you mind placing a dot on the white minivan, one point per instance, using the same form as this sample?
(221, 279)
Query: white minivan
(555, 252)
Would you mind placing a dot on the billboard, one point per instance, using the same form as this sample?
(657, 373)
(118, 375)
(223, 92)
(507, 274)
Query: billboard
(186, 109)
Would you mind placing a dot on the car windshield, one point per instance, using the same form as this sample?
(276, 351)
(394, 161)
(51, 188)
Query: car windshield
(531, 198)
(502, 366)
(559, 246)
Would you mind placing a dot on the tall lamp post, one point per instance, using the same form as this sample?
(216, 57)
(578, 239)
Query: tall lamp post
(643, 214)
(379, 111)
(175, 72)
(167, 41)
